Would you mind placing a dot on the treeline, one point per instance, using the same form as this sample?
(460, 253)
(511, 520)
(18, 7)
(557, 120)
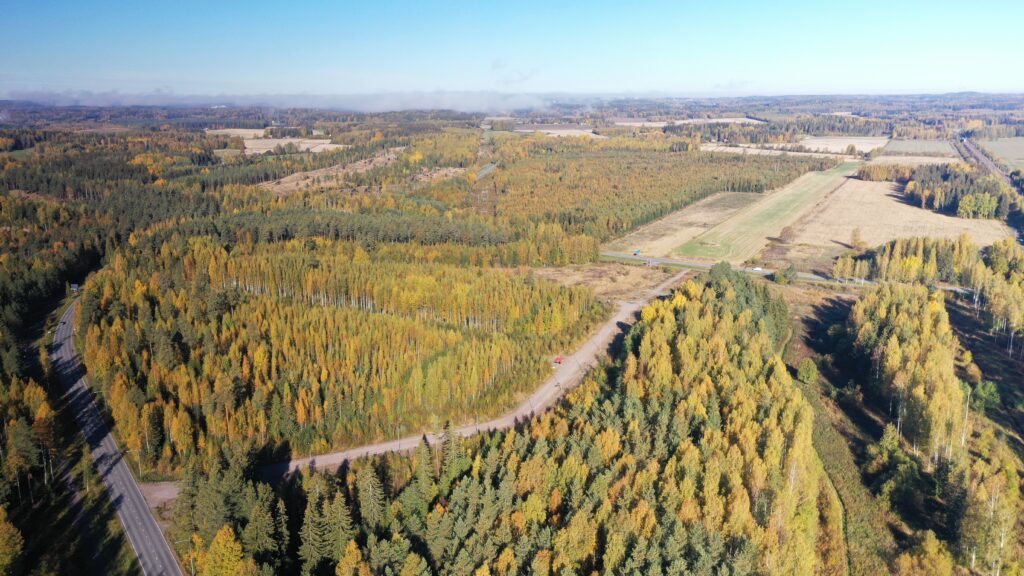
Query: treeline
(298, 348)
(783, 131)
(994, 276)
(690, 455)
(935, 461)
(956, 188)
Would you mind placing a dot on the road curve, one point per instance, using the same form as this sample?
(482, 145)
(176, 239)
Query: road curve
(144, 534)
(566, 377)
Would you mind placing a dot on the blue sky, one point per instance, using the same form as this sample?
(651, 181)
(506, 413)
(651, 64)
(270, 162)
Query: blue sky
(684, 48)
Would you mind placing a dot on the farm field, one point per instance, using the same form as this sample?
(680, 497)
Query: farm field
(920, 148)
(634, 123)
(665, 234)
(839, 144)
(913, 160)
(1009, 150)
(561, 131)
(753, 150)
(877, 210)
(243, 132)
(264, 145)
(742, 236)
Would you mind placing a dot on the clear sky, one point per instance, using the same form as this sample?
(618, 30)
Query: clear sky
(677, 47)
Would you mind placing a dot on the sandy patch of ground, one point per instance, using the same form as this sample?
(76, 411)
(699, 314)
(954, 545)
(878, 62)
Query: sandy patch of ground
(839, 144)
(749, 149)
(913, 160)
(243, 132)
(158, 493)
(667, 233)
(609, 280)
(330, 175)
(264, 145)
(878, 210)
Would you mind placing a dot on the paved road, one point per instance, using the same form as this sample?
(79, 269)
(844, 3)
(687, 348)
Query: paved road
(144, 534)
(566, 377)
(986, 161)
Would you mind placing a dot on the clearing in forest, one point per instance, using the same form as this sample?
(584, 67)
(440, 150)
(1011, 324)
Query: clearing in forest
(920, 148)
(743, 235)
(1009, 150)
(610, 281)
(332, 175)
(663, 235)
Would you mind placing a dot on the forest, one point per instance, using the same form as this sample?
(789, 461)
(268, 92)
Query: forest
(690, 453)
(227, 324)
(943, 465)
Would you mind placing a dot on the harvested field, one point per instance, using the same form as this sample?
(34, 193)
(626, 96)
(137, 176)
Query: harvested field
(878, 209)
(660, 237)
(743, 235)
(750, 149)
(639, 123)
(733, 120)
(328, 176)
(264, 145)
(609, 280)
(913, 160)
(243, 132)
(1009, 150)
(561, 130)
(839, 144)
(920, 148)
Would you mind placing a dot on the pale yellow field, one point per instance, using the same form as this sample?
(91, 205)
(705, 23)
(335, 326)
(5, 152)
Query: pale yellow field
(264, 145)
(665, 234)
(839, 144)
(563, 132)
(750, 149)
(243, 132)
(878, 210)
(912, 160)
